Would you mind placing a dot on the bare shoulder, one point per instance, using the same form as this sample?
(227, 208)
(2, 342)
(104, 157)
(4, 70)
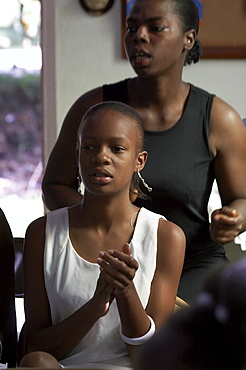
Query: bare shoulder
(224, 114)
(225, 123)
(35, 237)
(36, 225)
(89, 99)
(170, 230)
(171, 238)
(80, 107)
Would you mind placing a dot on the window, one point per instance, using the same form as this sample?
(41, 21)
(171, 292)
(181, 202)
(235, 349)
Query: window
(20, 113)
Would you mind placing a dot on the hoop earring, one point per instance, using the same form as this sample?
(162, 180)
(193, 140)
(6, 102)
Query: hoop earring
(144, 183)
(79, 184)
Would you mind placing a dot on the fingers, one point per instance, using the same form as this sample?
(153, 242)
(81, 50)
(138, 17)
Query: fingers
(226, 213)
(103, 285)
(126, 249)
(118, 268)
(226, 224)
(120, 261)
(103, 296)
(104, 289)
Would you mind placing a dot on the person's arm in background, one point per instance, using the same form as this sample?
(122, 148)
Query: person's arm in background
(60, 183)
(228, 144)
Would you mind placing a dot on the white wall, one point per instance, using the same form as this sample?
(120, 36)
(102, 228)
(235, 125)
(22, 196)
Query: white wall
(85, 52)
(88, 50)
(225, 78)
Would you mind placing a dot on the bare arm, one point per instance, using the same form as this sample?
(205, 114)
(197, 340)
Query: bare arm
(42, 335)
(60, 182)
(170, 258)
(228, 144)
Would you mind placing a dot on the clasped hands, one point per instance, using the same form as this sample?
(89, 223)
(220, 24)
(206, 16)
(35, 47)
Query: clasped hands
(117, 273)
(226, 224)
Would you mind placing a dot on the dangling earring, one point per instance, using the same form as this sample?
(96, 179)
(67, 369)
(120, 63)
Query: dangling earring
(144, 183)
(79, 184)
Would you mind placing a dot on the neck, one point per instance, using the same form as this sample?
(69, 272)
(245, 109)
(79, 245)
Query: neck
(104, 212)
(159, 101)
(157, 91)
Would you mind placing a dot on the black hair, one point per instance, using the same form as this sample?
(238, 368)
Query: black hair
(189, 16)
(123, 109)
(129, 112)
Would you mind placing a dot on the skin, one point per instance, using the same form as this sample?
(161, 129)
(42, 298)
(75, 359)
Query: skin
(108, 143)
(159, 95)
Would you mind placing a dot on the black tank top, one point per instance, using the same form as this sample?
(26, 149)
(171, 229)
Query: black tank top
(180, 170)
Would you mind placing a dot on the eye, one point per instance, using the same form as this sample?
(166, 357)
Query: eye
(118, 149)
(87, 147)
(131, 29)
(158, 28)
(131, 26)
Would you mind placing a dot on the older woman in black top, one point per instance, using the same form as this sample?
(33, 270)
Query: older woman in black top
(192, 137)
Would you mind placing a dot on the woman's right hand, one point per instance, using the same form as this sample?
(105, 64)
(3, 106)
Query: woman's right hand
(103, 296)
(226, 224)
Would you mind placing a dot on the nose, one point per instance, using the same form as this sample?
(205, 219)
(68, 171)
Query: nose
(101, 156)
(141, 34)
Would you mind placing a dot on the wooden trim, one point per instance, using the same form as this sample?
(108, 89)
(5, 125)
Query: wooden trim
(123, 27)
(228, 52)
(48, 77)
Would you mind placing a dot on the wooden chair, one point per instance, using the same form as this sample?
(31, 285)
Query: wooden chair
(180, 303)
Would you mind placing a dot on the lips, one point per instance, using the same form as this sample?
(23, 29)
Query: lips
(97, 172)
(140, 58)
(100, 176)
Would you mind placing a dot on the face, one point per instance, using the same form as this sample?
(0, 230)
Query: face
(108, 152)
(154, 40)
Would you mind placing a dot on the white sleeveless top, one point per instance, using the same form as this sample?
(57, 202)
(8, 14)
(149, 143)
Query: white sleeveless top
(70, 282)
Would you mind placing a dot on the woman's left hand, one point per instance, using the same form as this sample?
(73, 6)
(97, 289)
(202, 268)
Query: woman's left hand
(118, 268)
(226, 224)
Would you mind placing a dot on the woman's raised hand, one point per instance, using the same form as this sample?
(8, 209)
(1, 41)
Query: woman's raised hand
(118, 268)
(226, 224)
(102, 297)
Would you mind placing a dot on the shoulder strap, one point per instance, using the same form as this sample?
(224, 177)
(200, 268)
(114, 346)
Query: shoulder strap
(116, 92)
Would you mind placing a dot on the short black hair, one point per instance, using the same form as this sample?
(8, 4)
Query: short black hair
(189, 16)
(128, 112)
(123, 109)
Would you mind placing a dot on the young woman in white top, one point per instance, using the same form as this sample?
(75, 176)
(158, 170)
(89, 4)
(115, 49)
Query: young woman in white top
(100, 275)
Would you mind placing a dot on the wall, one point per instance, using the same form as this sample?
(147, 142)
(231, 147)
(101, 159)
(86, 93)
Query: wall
(82, 51)
(225, 78)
